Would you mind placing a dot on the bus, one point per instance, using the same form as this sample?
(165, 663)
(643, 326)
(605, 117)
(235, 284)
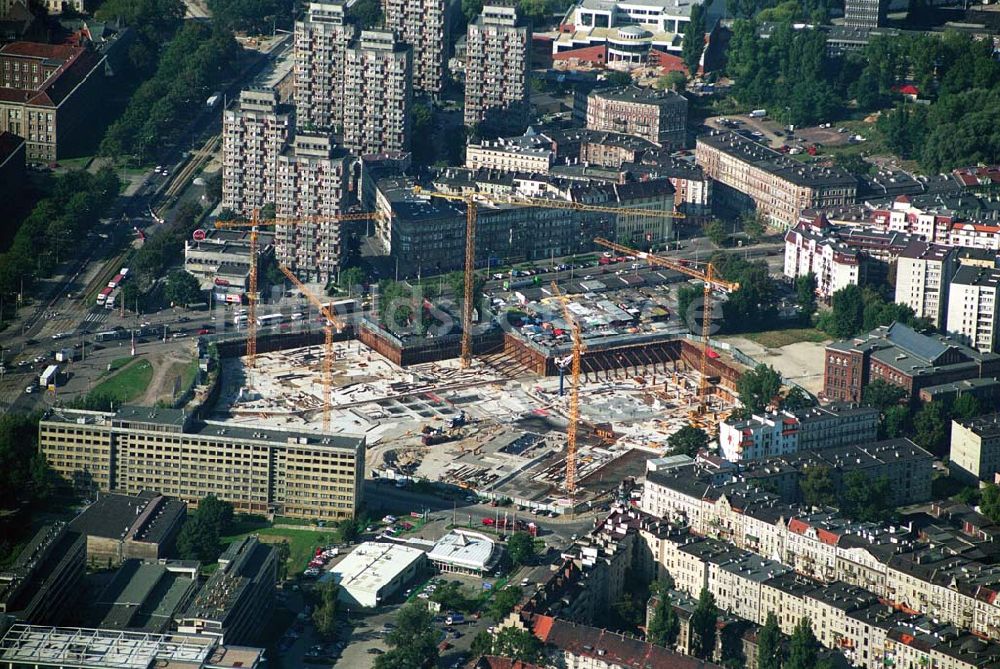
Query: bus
(111, 335)
(103, 295)
(348, 306)
(269, 320)
(297, 316)
(239, 319)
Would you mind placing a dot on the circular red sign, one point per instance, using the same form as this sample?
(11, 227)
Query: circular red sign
(199, 235)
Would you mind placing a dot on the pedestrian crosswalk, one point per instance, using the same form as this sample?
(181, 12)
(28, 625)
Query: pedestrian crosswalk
(97, 316)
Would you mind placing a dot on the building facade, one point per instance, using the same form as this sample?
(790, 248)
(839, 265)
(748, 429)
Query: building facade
(528, 153)
(312, 182)
(253, 137)
(923, 273)
(865, 13)
(44, 582)
(899, 355)
(632, 31)
(236, 602)
(151, 523)
(48, 93)
(659, 116)
(321, 42)
(378, 93)
(975, 449)
(769, 182)
(496, 73)
(258, 471)
(972, 306)
(423, 24)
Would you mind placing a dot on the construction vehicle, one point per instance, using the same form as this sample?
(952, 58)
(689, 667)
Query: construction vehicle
(710, 281)
(472, 201)
(254, 224)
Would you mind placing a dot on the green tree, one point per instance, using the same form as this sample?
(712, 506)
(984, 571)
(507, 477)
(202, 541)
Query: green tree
(757, 388)
(754, 226)
(895, 422)
(504, 601)
(703, 622)
(848, 313)
(664, 625)
(471, 9)
(816, 486)
(518, 644)
(535, 10)
(268, 211)
(989, 501)
(325, 614)
(803, 648)
(796, 399)
(805, 293)
(482, 644)
(716, 231)
(198, 540)
(674, 80)
(694, 40)
(182, 288)
(965, 407)
(413, 642)
(351, 278)
(423, 145)
(930, 427)
(769, 654)
(882, 394)
(618, 79)
(350, 530)
(20, 480)
(688, 295)
(521, 547)
(366, 13)
(687, 441)
(866, 500)
(284, 555)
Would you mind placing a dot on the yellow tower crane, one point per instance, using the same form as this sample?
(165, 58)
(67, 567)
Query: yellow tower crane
(472, 201)
(254, 224)
(332, 321)
(574, 395)
(710, 281)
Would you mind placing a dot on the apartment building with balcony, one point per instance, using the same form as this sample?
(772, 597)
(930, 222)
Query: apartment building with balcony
(254, 134)
(923, 274)
(320, 49)
(378, 93)
(496, 74)
(658, 116)
(313, 176)
(423, 24)
(972, 307)
(313, 476)
(526, 153)
(753, 177)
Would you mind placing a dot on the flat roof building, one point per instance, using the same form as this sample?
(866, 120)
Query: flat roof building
(119, 527)
(975, 448)
(42, 583)
(235, 603)
(373, 572)
(972, 309)
(465, 552)
(145, 597)
(85, 648)
(297, 474)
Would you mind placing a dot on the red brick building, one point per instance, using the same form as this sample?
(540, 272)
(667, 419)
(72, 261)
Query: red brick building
(899, 355)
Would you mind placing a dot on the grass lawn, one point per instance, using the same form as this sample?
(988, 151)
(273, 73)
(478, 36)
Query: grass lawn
(303, 544)
(128, 383)
(118, 363)
(779, 338)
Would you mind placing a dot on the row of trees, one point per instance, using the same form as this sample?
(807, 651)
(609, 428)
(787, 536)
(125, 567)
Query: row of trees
(752, 308)
(859, 497)
(193, 63)
(252, 16)
(74, 205)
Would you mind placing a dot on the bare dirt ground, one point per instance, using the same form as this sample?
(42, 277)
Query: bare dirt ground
(166, 367)
(801, 362)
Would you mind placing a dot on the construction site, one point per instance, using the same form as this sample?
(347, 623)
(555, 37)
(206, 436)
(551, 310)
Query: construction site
(500, 426)
(557, 394)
